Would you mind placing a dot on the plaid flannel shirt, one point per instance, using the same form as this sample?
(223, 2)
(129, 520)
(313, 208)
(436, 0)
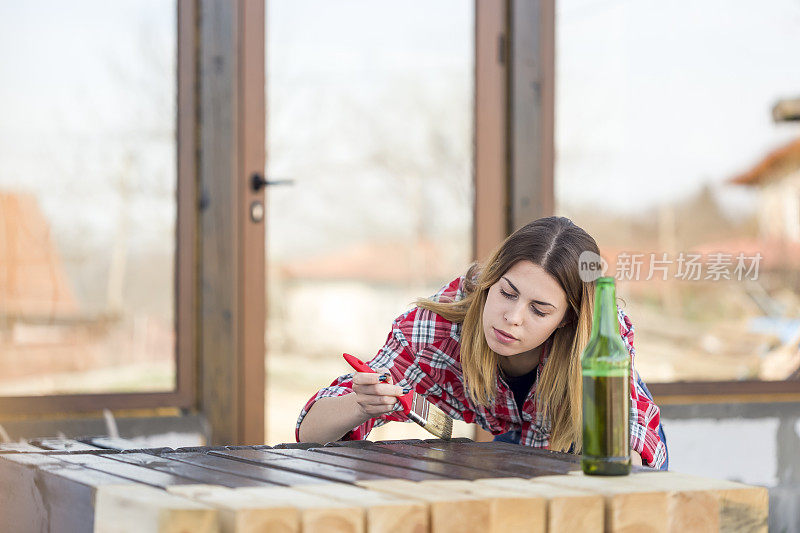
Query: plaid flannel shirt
(423, 351)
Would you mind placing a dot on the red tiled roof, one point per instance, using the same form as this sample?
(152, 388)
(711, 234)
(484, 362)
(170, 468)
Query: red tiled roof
(776, 164)
(32, 281)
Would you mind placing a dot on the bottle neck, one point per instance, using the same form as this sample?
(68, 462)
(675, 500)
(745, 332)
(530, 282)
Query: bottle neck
(604, 319)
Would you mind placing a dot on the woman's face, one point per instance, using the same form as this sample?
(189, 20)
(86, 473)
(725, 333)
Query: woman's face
(522, 309)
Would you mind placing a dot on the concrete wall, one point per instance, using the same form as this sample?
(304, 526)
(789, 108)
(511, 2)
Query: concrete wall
(758, 444)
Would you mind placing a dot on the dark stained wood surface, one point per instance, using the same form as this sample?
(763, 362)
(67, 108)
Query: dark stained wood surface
(197, 473)
(135, 473)
(275, 476)
(265, 459)
(361, 465)
(408, 463)
(493, 466)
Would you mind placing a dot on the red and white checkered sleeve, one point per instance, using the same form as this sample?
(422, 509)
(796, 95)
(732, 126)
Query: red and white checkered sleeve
(392, 357)
(645, 414)
(411, 332)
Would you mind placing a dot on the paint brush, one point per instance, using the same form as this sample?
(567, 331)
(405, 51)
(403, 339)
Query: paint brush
(415, 406)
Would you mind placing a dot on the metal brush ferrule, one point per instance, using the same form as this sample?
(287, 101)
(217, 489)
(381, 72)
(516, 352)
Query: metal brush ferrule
(418, 419)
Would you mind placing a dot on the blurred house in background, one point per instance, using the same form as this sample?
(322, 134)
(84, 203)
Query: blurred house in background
(336, 302)
(777, 179)
(34, 287)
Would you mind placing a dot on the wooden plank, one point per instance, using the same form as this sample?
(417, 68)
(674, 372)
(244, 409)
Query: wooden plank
(495, 467)
(740, 507)
(242, 513)
(385, 513)
(295, 446)
(139, 508)
(530, 450)
(531, 109)
(251, 119)
(18, 447)
(274, 476)
(519, 455)
(505, 446)
(197, 473)
(450, 511)
(60, 444)
(108, 443)
(541, 455)
(219, 260)
(627, 507)
(128, 471)
(690, 508)
(509, 509)
(187, 271)
(561, 505)
(46, 494)
(491, 209)
(318, 514)
(266, 459)
(359, 465)
(231, 244)
(408, 463)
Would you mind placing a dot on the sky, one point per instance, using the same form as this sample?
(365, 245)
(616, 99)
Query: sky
(654, 99)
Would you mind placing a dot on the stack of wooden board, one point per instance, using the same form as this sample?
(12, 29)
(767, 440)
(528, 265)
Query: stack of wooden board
(100, 484)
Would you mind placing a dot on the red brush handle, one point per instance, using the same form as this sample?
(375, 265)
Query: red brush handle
(357, 363)
(361, 366)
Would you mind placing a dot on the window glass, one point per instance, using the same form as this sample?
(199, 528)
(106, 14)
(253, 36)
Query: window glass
(668, 153)
(370, 112)
(87, 196)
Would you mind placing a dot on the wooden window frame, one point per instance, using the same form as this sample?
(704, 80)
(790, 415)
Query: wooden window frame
(219, 251)
(514, 157)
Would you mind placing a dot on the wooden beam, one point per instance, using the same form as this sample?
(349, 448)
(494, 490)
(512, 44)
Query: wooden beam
(450, 511)
(252, 278)
(491, 222)
(385, 513)
(118, 507)
(514, 120)
(561, 505)
(243, 513)
(509, 509)
(187, 275)
(531, 99)
(318, 514)
(232, 122)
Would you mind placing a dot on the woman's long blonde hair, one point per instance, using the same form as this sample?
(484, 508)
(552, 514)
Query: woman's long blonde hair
(555, 244)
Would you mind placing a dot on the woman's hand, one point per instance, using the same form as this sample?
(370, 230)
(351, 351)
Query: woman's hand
(331, 417)
(636, 459)
(376, 394)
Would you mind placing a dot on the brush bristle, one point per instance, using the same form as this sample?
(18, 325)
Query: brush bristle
(438, 423)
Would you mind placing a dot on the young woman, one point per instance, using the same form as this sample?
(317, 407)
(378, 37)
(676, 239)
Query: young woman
(500, 347)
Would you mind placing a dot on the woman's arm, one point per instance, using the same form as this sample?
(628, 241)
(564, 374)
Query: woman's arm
(330, 418)
(412, 333)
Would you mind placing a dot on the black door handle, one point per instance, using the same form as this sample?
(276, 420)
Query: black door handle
(257, 182)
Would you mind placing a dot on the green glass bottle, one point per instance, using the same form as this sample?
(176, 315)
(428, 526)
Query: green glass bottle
(605, 365)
